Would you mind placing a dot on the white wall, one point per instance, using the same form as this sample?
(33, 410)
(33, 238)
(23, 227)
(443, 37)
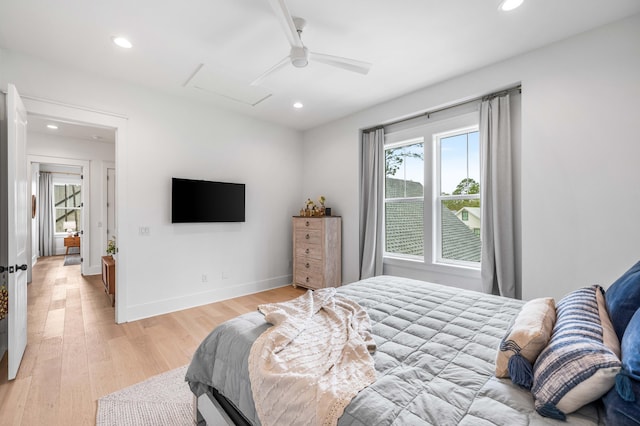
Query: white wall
(579, 156)
(165, 137)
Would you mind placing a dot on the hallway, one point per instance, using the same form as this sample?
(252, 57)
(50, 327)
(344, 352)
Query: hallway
(76, 353)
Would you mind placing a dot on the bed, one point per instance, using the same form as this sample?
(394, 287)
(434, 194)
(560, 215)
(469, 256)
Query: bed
(435, 361)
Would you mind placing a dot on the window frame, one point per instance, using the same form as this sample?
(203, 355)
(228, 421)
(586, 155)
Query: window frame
(439, 198)
(426, 131)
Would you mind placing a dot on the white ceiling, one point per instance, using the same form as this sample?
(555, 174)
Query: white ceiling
(411, 44)
(38, 124)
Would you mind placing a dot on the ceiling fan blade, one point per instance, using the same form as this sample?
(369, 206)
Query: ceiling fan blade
(286, 60)
(344, 63)
(286, 21)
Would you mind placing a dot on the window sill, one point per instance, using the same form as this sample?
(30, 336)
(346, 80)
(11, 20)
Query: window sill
(439, 268)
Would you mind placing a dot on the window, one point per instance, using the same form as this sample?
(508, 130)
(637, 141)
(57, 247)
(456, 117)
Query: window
(432, 193)
(458, 180)
(67, 205)
(404, 198)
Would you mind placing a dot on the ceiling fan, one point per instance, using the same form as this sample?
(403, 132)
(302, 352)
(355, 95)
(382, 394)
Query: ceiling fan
(299, 55)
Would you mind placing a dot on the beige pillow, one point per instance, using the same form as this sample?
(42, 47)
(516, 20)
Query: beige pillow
(528, 335)
(609, 336)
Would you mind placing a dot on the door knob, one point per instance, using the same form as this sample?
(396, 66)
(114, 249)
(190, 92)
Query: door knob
(22, 267)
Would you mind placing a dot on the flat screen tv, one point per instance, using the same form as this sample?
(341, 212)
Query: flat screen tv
(194, 201)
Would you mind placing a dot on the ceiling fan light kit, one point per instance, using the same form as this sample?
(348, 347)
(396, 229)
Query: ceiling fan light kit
(299, 55)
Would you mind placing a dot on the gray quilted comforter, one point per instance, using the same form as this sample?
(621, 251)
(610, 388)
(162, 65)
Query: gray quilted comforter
(435, 359)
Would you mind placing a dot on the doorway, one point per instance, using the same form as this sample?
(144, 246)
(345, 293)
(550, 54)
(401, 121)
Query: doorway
(74, 157)
(59, 216)
(95, 175)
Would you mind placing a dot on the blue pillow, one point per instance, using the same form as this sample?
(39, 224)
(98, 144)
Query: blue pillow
(623, 299)
(630, 349)
(618, 412)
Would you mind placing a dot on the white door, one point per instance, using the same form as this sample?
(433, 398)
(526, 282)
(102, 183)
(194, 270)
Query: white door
(17, 233)
(111, 203)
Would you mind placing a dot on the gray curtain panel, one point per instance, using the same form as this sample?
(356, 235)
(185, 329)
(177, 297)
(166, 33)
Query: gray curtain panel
(371, 209)
(46, 222)
(497, 234)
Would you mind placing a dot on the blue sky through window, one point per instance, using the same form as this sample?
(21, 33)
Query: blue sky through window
(460, 158)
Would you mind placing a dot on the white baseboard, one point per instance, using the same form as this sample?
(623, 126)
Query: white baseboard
(165, 306)
(93, 270)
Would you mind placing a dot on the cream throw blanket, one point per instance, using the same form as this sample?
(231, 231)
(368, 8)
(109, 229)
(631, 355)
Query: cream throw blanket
(307, 367)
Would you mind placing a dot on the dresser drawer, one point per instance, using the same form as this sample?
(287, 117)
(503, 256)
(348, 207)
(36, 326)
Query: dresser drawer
(309, 280)
(308, 236)
(309, 266)
(304, 223)
(308, 251)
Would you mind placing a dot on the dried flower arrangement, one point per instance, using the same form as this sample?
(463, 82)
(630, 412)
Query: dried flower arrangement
(311, 209)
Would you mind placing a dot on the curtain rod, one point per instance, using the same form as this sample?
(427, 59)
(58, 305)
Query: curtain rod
(61, 173)
(428, 113)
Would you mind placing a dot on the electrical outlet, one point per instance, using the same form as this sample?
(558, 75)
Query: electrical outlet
(225, 275)
(205, 279)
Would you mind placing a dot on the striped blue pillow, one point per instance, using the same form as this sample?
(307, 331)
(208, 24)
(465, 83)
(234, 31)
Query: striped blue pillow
(582, 359)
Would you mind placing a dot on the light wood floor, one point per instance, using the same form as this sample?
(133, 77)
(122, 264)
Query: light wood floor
(76, 353)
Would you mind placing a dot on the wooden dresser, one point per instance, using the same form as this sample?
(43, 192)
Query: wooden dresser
(317, 251)
(109, 277)
(71, 242)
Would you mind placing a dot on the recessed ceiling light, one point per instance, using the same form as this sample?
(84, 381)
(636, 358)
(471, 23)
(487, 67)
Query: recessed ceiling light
(52, 126)
(298, 105)
(508, 5)
(122, 42)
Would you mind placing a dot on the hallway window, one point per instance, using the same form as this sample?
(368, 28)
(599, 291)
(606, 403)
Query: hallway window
(68, 202)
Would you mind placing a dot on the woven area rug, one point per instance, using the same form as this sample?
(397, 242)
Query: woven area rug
(164, 399)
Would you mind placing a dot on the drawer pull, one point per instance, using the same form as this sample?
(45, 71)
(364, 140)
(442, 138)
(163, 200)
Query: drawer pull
(307, 223)
(307, 251)
(307, 265)
(307, 280)
(307, 236)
